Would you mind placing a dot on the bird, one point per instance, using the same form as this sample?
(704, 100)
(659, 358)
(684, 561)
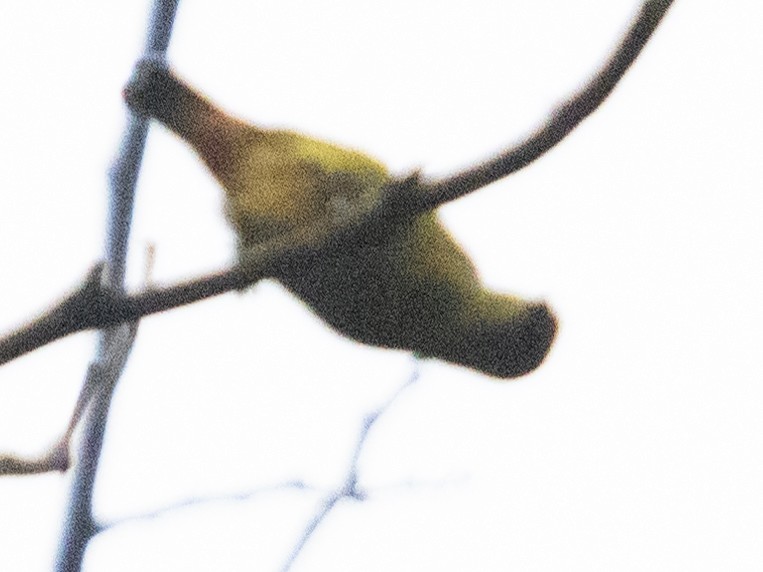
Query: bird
(405, 284)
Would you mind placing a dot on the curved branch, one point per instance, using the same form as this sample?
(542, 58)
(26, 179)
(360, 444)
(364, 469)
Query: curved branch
(560, 123)
(93, 306)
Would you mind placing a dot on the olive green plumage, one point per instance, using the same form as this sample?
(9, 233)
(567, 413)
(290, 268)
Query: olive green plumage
(405, 284)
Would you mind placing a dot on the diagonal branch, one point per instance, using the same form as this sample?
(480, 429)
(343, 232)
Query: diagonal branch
(561, 122)
(102, 527)
(349, 488)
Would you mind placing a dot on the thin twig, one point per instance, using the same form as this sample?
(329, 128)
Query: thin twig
(349, 488)
(194, 502)
(57, 458)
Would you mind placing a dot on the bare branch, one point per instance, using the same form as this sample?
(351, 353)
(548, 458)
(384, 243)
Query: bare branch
(56, 323)
(561, 122)
(58, 457)
(115, 342)
(95, 307)
(55, 460)
(349, 488)
(196, 501)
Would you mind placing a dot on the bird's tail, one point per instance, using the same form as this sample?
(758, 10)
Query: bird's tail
(510, 339)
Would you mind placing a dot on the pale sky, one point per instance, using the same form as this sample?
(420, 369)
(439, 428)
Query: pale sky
(636, 446)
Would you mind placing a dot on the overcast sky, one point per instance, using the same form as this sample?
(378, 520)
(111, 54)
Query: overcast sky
(636, 446)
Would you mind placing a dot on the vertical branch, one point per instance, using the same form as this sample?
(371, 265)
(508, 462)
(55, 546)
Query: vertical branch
(115, 342)
(124, 173)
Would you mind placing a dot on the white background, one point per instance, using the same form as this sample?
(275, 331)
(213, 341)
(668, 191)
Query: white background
(636, 446)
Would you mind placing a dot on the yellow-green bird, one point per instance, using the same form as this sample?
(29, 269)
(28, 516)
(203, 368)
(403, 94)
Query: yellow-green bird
(406, 284)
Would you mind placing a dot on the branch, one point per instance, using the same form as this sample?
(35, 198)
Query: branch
(196, 501)
(81, 307)
(114, 343)
(57, 458)
(560, 123)
(92, 306)
(349, 488)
